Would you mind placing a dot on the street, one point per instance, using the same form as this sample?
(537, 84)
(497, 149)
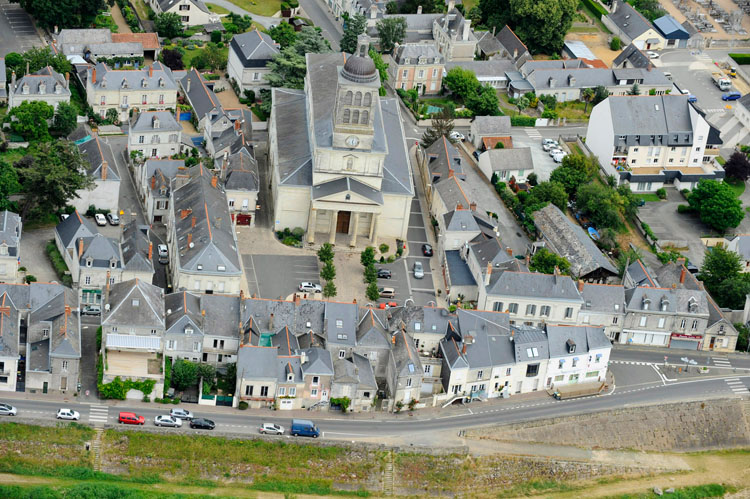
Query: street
(318, 13)
(17, 33)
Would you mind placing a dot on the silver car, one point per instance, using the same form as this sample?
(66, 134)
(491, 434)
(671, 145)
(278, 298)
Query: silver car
(181, 413)
(165, 420)
(418, 270)
(7, 410)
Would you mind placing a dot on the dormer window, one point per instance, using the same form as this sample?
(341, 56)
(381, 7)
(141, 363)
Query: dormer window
(221, 268)
(89, 261)
(161, 82)
(4, 250)
(339, 323)
(42, 88)
(406, 60)
(155, 122)
(124, 83)
(188, 331)
(664, 304)
(144, 83)
(58, 88)
(104, 82)
(290, 377)
(135, 302)
(646, 303)
(571, 345)
(113, 263)
(25, 89)
(200, 266)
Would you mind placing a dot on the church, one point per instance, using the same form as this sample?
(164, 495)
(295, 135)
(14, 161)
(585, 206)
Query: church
(339, 163)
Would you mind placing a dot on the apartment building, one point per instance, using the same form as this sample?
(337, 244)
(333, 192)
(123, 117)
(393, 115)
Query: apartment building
(417, 65)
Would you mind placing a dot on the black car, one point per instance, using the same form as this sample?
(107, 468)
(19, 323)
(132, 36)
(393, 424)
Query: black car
(202, 424)
(384, 274)
(426, 250)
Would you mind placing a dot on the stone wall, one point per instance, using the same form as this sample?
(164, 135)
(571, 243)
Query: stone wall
(669, 427)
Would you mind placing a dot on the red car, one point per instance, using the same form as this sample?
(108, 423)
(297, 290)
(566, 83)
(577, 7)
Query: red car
(130, 418)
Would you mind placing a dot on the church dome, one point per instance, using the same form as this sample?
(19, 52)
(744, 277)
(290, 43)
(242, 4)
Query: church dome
(360, 69)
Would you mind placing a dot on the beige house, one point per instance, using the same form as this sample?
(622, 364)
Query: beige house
(46, 85)
(155, 134)
(146, 89)
(191, 12)
(416, 65)
(10, 246)
(453, 35)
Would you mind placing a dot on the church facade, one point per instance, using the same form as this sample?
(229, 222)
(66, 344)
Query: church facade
(338, 158)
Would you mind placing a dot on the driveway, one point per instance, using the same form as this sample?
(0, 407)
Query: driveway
(277, 276)
(34, 256)
(532, 138)
(17, 32)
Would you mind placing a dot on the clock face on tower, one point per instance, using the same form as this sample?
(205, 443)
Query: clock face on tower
(352, 141)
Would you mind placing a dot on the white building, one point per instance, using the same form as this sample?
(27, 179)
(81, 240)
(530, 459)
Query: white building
(10, 245)
(191, 12)
(46, 85)
(507, 164)
(577, 354)
(105, 194)
(248, 55)
(155, 134)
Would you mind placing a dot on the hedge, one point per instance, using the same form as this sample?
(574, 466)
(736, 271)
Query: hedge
(58, 263)
(595, 6)
(522, 121)
(741, 58)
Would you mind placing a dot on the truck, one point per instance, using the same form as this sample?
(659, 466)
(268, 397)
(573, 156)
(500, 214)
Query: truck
(576, 390)
(721, 81)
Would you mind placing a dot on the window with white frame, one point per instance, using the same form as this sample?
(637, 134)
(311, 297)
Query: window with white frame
(314, 392)
(282, 391)
(292, 391)
(643, 320)
(342, 354)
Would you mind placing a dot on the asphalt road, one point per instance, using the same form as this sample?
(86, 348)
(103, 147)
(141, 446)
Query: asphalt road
(318, 13)
(274, 276)
(17, 32)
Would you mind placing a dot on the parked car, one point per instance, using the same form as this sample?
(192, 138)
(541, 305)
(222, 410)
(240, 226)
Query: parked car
(652, 55)
(271, 429)
(427, 250)
(418, 270)
(733, 95)
(384, 274)
(305, 428)
(113, 219)
(202, 424)
(130, 418)
(558, 156)
(548, 144)
(100, 220)
(7, 410)
(163, 252)
(387, 292)
(309, 287)
(457, 136)
(91, 310)
(554, 151)
(166, 420)
(692, 98)
(181, 414)
(69, 414)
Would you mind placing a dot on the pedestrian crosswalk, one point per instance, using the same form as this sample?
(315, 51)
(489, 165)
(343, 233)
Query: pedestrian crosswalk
(714, 110)
(631, 362)
(533, 133)
(721, 362)
(98, 414)
(737, 386)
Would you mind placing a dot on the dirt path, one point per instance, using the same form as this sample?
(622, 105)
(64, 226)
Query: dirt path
(122, 26)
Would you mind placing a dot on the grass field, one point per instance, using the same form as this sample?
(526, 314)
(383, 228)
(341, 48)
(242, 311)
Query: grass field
(738, 186)
(260, 7)
(648, 197)
(142, 9)
(217, 9)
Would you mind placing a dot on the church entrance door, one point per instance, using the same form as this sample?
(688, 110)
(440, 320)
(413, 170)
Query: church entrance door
(342, 222)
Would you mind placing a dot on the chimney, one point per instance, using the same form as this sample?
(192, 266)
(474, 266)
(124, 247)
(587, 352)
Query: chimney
(463, 350)
(515, 53)
(151, 71)
(153, 182)
(190, 239)
(188, 86)
(27, 67)
(459, 206)
(93, 75)
(393, 339)
(104, 170)
(13, 80)
(108, 285)
(192, 222)
(419, 9)
(302, 357)
(580, 286)
(150, 250)
(373, 11)
(67, 80)
(467, 28)
(214, 181)
(184, 213)
(270, 322)
(682, 274)
(242, 295)
(473, 206)
(552, 82)
(67, 309)
(237, 125)
(509, 250)
(80, 247)
(488, 274)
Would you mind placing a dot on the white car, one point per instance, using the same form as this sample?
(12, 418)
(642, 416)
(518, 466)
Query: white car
(68, 414)
(652, 55)
(554, 151)
(100, 219)
(558, 156)
(685, 91)
(457, 136)
(181, 413)
(165, 420)
(418, 270)
(7, 410)
(549, 144)
(309, 287)
(113, 218)
(271, 429)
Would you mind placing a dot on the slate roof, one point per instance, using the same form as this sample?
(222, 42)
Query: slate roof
(212, 242)
(670, 29)
(405, 355)
(10, 231)
(452, 193)
(493, 68)
(135, 303)
(347, 184)
(493, 126)
(102, 250)
(585, 339)
(96, 152)
(135, 246)
(242, 172)
(460, 220)
(65, 332)
(9, 327)
(162, 78)
(254, 48)
(531, 344)
(592, 77)
(641, 274)
(677, 300)
(634, 56)
(340, 323)
(629, 20)
(570, 241)
(254, 362)
(510, 159)
(603, 298)
(651, 115)
(490, 251)
(492, 323)
(512, 44)
(533, 285)
(420, 319)
(487, 43)
(442, 158)
(202, 98)
(740, 244)
(165, 5)
(319, 362)
(182, 310)
(168, 167)
(144, 122)
(47, 76)
(3, 91)
(413, 51)
(294, 158)
(73, 228)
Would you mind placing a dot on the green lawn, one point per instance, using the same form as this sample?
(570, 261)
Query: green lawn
(738, 186)
(260, 7)
(142, 9)
(468, 4)
(217, 9)
(188, 55)
(573, 110)
(648, 197)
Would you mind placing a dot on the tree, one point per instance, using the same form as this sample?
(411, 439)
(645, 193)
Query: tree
(442, 126)
(587, 95)
(552, 192)
(367, 256)
(326, 253)
(615, 43)
(211, 57)
(737, 166)
(732, 292)
(462, 82)
(718, 266)
(545, 261)
(283, 34)
(391, 30)
(206, 371)
(112, 116)
(329, 290)
(328, 272)
(311, 41)
(41, 57)
(635, 89)
(66, 118)
(8, 186)
(355, 26)
(30, 120)
(372, 292)
(575, 170)
(483, 102)
(428, 6)
(391, 7)
(382, 68)
(172, 58)
(288, 69)
(600, 93)
(215, 36)
(371, 274)
(716, 204)
(532, 179)
(72, 14)
(522, 103)
(51, 175)
(168, 24)
(600, 203)
(184, 374)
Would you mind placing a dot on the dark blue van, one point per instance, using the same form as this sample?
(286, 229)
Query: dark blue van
(304, 427)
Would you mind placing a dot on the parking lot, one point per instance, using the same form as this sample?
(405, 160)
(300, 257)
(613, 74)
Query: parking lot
(692, 71)
(543, 162)
(17, 33)
(276, 276)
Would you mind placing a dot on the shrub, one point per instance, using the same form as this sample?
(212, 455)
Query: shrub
(384, 248)
(146, 398)
(58, 263)
(175, 401)
(242, 405)
(661, 193)
(650, 233)
(615, 43)
(595, 7)
(549, 114)
(741, 58)
(216, 36)
(522, 121)
(30, 278)
(684, 208)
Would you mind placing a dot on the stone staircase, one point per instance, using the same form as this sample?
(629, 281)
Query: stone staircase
(388, 475)
(96, 448)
